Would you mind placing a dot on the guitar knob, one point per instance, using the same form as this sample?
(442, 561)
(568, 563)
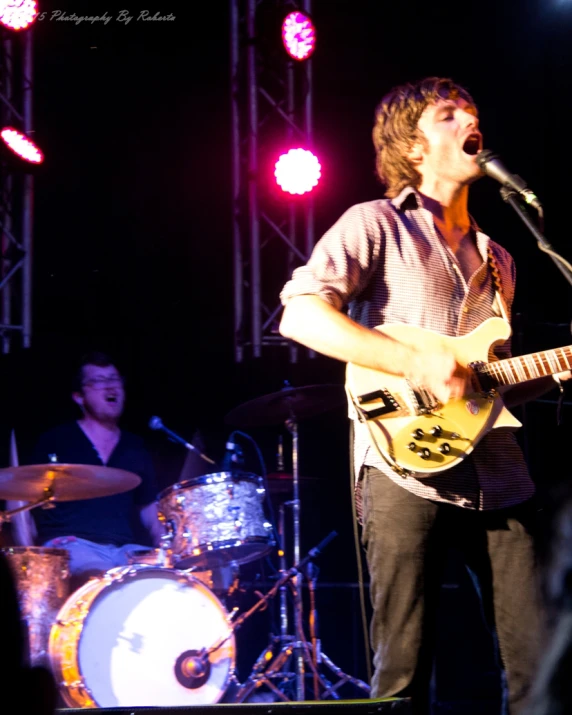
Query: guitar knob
(417, 434)
(445, 448)
(436, 431)
(412, 446)
(424, 453)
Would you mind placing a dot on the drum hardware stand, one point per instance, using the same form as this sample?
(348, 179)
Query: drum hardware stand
(45, 502)
(287, 406)
(283, 588)
(292, 426)
(264, 668)
(273, 662)
(273, 665)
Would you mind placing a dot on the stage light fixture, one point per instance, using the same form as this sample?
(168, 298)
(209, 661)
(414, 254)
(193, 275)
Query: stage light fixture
(18, 14)
(19, 147)
(298, 35)
(297, 171)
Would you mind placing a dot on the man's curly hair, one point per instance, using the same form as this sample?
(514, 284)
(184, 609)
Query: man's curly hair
(395, 131)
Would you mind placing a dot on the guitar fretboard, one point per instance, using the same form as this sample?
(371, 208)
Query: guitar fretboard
(527, 367)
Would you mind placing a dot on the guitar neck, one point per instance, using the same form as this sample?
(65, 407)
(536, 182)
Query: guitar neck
(527, 367)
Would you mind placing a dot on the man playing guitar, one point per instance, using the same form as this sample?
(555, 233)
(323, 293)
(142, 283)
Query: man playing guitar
(417, 258)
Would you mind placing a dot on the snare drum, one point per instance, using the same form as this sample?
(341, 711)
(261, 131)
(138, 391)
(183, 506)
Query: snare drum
(42, 582)
(136, 636)
(216, 519)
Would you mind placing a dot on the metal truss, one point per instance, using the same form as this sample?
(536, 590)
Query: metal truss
(271, 110)
(16, 195)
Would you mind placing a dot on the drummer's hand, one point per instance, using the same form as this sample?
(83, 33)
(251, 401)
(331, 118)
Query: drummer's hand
(150, 519)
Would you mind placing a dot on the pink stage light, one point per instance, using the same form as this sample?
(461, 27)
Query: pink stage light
(18, 14)
(298, 35)
(21, 146)
(298, 171)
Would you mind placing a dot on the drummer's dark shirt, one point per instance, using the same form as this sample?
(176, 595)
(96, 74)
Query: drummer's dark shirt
(105, 520)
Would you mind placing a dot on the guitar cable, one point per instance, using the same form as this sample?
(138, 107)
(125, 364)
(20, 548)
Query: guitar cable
(359, 555)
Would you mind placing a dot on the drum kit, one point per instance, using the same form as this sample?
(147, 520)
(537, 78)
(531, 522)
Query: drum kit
(156, 632)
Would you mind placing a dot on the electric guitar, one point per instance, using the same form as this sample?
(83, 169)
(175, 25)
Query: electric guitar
(415, 433)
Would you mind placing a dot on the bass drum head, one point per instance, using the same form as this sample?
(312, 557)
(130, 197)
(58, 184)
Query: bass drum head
(141, 641)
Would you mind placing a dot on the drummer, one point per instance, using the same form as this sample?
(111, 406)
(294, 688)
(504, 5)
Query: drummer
(98, 533)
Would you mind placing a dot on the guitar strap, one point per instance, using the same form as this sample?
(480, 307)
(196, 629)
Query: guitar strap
(497, 283)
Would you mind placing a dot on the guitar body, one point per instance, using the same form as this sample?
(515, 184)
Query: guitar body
(434, 441)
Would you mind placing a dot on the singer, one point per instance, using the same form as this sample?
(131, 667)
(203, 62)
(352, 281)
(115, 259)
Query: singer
(418, 257)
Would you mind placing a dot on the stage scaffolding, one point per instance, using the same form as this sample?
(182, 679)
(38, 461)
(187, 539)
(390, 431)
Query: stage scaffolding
(16, 191)
(271, 111)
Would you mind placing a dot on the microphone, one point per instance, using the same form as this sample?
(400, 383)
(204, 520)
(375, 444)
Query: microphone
(233, 458)
(192, 669)
(492, 166)
(280, 455)
(156, 423)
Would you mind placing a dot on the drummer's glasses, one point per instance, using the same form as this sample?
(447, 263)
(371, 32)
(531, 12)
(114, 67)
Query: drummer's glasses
(99, 383)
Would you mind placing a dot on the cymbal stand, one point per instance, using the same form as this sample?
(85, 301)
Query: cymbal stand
(6, 516)
(284, 587)
(275, 665)
(292, 427)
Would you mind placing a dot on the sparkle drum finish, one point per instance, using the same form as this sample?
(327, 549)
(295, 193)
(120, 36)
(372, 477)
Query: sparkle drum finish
(42, 582)
(216, 519)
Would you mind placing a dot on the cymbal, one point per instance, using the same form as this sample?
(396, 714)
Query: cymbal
(68, 482)
(289, 403)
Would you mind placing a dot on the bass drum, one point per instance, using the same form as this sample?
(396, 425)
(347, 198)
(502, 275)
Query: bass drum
(136, 637)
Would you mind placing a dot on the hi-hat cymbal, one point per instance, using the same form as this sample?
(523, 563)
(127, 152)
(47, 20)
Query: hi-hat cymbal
(67, 482)
(294, 403)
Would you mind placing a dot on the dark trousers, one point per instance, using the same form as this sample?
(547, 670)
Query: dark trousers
(406, 540)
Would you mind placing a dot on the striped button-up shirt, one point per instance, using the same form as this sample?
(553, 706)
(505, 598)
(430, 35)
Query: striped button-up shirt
(386, 263)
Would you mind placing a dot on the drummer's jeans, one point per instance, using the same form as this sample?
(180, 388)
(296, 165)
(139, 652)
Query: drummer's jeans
(89, 558)
(406, 538)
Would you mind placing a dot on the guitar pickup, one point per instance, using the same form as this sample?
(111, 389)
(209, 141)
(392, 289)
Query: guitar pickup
(387, 404)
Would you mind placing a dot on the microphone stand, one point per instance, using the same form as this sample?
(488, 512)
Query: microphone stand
(289, 575)
(311, 573)
(272, 666)
(511, 197)
(155, 423)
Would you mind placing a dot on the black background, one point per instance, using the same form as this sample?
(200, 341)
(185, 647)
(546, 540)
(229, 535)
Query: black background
(132, 238)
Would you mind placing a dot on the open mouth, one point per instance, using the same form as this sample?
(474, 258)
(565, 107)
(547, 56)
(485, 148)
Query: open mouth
(111, 398)
(472, 145)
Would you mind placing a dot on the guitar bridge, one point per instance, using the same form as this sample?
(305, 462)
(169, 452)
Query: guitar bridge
(423, 401)
(384, 403)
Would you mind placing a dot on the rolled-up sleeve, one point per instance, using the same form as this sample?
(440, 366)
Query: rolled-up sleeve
(342, 261)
